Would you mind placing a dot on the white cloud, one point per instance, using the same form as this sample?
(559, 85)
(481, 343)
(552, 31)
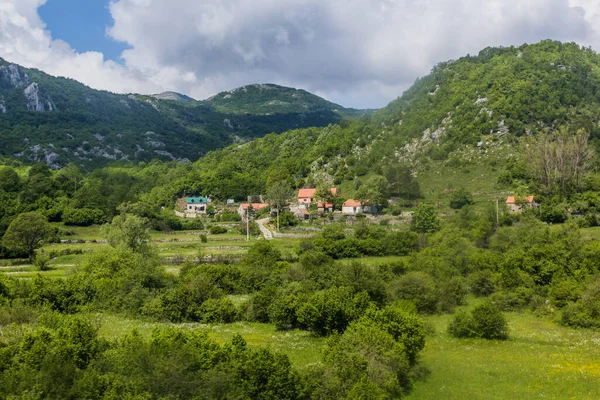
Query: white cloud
(357, 52)
(24, 40)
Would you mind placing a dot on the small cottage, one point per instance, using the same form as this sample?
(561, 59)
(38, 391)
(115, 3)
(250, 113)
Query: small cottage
(351, 207)
(196, 204)
(307, 196)
(302, 214)
(517, 204)
(324, 207)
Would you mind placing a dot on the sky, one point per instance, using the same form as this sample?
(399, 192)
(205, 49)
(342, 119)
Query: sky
(358, 53)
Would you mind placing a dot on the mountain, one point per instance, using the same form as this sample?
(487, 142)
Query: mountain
(58, 120)
(172, 96)
(469, 114)
(267, 99)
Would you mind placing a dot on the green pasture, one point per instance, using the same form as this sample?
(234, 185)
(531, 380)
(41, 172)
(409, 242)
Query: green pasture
(300, 346)
(541, 360)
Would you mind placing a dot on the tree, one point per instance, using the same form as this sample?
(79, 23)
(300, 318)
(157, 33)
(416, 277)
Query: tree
(401, 182)
(26, 233)
(279, 195)
(324, 194)
(425, 219)
(129, 231)
(560, 161)
(9, 179)
(485, 321)
(460, 198)
(375, 191)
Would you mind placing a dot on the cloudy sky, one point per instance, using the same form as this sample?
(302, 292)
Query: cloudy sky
(359, 53)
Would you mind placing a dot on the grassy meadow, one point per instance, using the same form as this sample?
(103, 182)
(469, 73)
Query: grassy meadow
(540, 360)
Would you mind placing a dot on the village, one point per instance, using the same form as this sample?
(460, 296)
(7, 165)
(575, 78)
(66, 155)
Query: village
(309, 205)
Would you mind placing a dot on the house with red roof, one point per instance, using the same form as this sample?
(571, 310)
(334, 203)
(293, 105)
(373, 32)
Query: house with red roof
(517, 204)
(351, 207)
(242, 209)
(324, 207)
(307, 196)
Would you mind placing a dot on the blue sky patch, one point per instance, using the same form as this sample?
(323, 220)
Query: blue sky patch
(82, 24)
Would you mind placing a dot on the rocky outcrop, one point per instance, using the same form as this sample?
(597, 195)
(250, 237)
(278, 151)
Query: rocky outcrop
(35, 101)
(12, 76)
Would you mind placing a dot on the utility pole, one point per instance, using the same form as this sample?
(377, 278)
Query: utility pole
(497, 211)
(248, 223)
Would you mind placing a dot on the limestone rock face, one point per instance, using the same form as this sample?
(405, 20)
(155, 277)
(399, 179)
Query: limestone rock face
(36, 102)
(12, 76)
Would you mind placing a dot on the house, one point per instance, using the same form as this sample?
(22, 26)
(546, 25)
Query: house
(321, 207)
(255, 207)
(351, 207)
(302, 214)
(196, 204)
(518, 204)
(306, 196)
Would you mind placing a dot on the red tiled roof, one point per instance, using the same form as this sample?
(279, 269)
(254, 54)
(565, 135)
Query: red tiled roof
(328, 205)
(303, 211)
(351, 203)
(255, 206)
(307, 193)
(310, 193)
(511, 200)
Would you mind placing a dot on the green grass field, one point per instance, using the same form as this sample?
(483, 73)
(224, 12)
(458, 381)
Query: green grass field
(300, 346)
(541, 360)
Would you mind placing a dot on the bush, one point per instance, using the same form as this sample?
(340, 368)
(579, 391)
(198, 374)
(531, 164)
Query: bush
(82, 216)
(419, 288)
(218, 311)
(483, 283)
(585, 313)
(460, 199)
(513, 300)
(288, 218)
(462, 326)
(217, 230)
(330, 311)
(229, 217)
(553, 214)
(486, 321)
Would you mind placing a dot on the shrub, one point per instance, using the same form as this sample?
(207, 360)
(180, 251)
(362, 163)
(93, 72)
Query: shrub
(82, 216)
(486, 321)
(513, 300)
(330, 311)
(218, 311)
(554, 214)
(230, 217)
(461, 198)
(490, 322)
(585, 313)
(217, 230)
(288, 218)
(419, 288)
(483, 283)
(462, 326)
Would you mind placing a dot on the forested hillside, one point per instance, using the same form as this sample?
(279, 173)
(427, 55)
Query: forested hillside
(57, 120)
(475, 111)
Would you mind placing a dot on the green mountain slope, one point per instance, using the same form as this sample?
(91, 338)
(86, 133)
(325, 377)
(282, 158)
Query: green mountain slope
(468, 114)
(58, 120)
(270, 98)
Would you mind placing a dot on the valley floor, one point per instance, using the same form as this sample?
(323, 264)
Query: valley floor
(541, 360)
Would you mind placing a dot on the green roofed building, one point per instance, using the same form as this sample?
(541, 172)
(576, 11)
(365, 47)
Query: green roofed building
(196, 204)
